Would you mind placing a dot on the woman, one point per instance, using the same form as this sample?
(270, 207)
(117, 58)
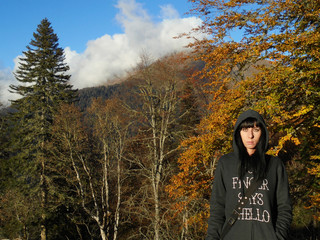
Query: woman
(267, 214)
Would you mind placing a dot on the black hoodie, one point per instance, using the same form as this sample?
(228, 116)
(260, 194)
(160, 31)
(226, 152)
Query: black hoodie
(267, 215)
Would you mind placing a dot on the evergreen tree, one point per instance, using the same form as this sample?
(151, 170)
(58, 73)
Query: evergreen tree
(43, 79)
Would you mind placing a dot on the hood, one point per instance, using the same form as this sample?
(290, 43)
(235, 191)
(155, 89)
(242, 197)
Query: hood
(241, 118)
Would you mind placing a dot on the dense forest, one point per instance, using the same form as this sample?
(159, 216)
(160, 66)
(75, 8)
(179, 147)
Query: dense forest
(136, 159)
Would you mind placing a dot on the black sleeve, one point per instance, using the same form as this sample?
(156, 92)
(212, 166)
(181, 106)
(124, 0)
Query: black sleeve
(217, 205)
(284, 210)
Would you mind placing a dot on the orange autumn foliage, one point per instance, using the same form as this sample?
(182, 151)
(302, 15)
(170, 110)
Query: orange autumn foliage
(274, 69)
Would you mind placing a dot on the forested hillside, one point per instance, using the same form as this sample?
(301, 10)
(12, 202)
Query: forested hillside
(100, 168)
(136, 159)
(126, 87)
(86, 95)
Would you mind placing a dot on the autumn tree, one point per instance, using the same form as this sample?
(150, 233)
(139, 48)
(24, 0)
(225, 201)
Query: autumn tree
(190, 110)
(42, 85)
(272, 68)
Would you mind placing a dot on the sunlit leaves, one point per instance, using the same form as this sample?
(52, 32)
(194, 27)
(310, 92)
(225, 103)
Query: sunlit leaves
(274, 69)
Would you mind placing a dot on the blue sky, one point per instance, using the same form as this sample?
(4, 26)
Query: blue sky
(102, 39)
(75, 21)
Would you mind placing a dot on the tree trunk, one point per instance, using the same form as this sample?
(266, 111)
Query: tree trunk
(103, 234)
(105, 198)
(184, 234)
(43, 193)
(117, 211)
(156, 212)
(314, 224)
(43, 231)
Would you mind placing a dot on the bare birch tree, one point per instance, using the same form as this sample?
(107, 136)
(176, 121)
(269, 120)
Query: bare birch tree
(90, 165)
(111, 125)
(158, 91)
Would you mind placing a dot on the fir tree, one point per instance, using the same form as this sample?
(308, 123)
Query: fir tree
(43, 79)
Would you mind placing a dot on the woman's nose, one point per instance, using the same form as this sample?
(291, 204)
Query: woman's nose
(250, 133)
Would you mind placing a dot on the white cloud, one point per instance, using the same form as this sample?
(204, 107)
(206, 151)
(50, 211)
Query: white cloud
(110, 56)
(6, 79)
(168, 12)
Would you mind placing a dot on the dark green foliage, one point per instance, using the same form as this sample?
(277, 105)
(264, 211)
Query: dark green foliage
(121, 90)
(43, 87)
(43, 79)
(86, 95)
(35, 192)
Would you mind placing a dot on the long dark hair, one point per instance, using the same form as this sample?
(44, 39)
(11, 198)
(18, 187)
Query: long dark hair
(255, 163)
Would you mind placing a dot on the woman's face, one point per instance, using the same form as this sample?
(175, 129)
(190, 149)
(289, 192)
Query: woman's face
(250, 138)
